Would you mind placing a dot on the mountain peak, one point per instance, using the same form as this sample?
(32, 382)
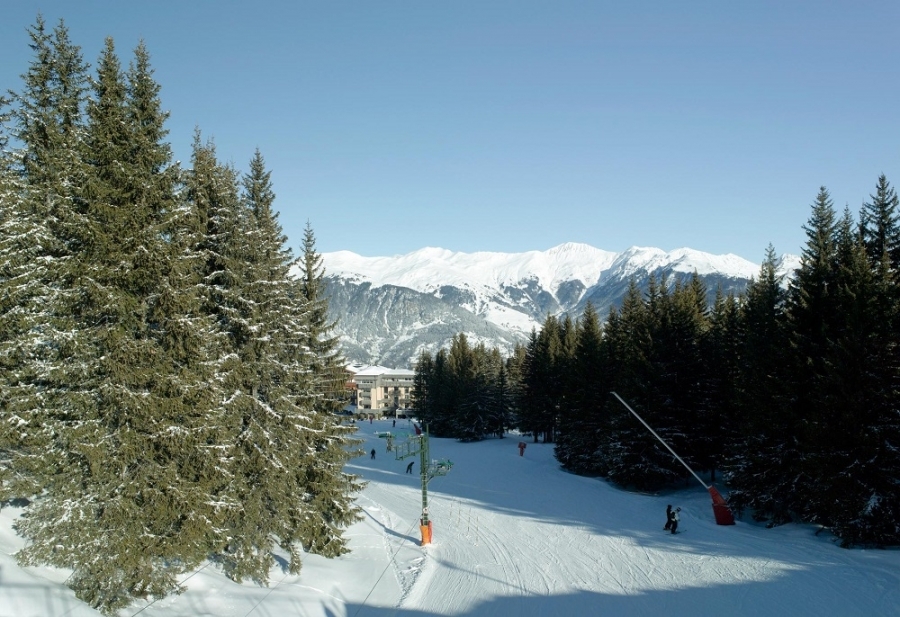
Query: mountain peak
(391, 308)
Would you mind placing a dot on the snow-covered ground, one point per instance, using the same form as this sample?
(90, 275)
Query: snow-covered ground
(518, 536)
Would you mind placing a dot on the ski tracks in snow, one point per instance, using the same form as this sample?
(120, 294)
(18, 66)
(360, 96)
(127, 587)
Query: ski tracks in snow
(405, 558)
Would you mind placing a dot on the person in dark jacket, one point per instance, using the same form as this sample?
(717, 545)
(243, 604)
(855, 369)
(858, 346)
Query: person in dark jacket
(674, 519)
(668, 518)
(409, 467)
(373, 453)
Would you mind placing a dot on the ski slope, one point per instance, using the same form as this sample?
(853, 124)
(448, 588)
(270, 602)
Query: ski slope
(518, 536)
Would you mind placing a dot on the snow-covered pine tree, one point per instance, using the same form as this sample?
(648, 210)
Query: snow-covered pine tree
(40, 212)
(137, 469)
(285, 474)
(319, 502)
(311, 350)
(329, 364)
(19, 286)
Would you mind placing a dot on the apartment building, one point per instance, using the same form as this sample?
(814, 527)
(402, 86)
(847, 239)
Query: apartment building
(378, 389)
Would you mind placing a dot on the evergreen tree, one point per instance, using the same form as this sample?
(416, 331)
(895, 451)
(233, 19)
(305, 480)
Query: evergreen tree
(880, 223)
(758, 469)
(20, 286)
(161, 395)
(501, 410)
(468, 413)
(321, 340)
(542, 383)
(422, 391)
(658, 347)
(584, 422)
(438, 417)
(49, 110)
(722, 357)
(696, 415)
(286, 481)
(628, 335)
(131, 470)
(814, 320)
(515, 365)
(844, 457)
(40, 210)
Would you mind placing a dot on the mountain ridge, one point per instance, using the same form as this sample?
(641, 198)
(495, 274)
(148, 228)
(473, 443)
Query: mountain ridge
(390, 309)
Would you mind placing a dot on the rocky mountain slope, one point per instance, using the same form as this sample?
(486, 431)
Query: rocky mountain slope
(389, 309)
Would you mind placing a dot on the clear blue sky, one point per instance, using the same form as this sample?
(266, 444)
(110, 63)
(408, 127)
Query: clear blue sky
(518, 125)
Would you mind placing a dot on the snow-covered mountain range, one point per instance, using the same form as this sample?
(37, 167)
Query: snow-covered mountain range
(389, 309)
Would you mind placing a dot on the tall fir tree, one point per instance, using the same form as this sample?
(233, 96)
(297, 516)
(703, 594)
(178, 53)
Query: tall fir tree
(321, 340)
(286, 483)
(20, 303)
(629, 338)
(40, 210)
(722, 357)
(422, 393)
(813, 320)
(880, 223)
(515, 364)
(49, 109)
(758, 466)
(157, 397)
(583, 421)
(501, 411)
(542, 383)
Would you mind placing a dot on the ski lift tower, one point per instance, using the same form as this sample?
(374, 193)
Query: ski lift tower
(428, 469)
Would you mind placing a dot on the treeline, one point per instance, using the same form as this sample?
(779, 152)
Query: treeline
(166, 387)
(464, 392)
(789, 390)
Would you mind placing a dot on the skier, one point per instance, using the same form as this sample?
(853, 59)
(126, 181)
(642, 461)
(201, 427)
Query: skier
(674, 519)
(409, 467)
(668, 518)
(373, 453)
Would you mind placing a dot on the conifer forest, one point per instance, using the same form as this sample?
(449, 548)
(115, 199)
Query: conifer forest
(787, 395)
(166, 388)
